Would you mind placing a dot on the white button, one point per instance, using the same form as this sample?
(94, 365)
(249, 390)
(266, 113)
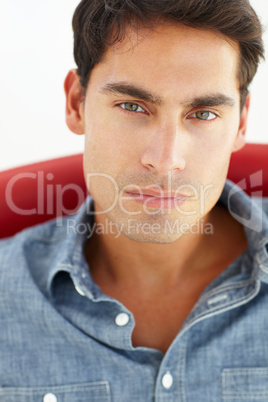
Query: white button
(122, 319)
(167, 380)
(50, 398)
(79, 291)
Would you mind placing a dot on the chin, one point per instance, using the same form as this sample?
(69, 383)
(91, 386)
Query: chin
(152, 238)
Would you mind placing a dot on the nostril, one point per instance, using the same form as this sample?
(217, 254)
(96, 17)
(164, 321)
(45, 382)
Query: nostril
(163, 164)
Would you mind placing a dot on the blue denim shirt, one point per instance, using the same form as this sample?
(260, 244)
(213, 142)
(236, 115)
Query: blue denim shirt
(63, 340)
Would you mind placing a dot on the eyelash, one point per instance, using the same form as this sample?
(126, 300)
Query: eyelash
(133, 111)
(189, 117)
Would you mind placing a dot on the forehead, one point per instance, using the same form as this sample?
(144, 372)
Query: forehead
(171, 57)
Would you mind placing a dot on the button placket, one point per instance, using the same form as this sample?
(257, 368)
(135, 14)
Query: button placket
(167, 380)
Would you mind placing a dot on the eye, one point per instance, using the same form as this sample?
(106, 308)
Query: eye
(205, 115)
(131, 107)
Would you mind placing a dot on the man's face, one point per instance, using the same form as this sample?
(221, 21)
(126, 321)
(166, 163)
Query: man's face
(161, 118)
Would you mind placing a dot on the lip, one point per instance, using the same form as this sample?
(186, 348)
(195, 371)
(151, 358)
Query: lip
(158, 199)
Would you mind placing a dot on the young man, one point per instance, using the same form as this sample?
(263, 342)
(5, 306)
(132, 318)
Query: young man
(164, 298)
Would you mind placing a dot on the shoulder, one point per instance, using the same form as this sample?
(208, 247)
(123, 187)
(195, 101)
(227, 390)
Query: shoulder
(33, 247)
(261, 203)
(47, 232)
(39, 247)
(265, 205)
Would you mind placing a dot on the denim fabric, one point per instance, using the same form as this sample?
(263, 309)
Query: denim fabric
(60, 339)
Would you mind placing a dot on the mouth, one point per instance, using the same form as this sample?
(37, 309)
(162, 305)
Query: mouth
(157, 199)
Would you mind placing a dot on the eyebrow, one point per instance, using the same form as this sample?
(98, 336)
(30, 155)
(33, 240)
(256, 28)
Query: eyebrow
(217, 99)
(122, 88)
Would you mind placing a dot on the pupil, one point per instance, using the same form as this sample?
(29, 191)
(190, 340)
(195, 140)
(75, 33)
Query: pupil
(132, 106)
(203, 115)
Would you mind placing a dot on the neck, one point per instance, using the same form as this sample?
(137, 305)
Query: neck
(149, 278)
(117, 259)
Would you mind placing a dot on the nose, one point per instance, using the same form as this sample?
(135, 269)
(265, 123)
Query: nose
(164, 150)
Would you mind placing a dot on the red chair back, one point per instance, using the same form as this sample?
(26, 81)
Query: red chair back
(35, 193)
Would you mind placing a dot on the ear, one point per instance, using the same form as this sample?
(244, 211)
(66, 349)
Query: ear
(74, 112)
(241, 134)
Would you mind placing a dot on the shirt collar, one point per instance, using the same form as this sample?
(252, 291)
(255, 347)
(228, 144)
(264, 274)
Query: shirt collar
(76, 229)
(249, 212)
(71, 259)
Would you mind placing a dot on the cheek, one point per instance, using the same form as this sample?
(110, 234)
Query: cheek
(213, 148)
(212, 166)
(110, 143)
(210, 163)
(106, 156)
(100, 171)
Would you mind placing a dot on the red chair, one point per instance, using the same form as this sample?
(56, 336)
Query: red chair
(32, 194)
(35, 193)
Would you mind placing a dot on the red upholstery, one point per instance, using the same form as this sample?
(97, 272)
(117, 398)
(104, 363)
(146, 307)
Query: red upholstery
(40, 188)
(56, 187)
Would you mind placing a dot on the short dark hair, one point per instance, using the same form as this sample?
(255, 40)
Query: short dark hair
(101, 23)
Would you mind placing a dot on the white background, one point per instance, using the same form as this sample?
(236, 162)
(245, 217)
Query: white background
(35, 55)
